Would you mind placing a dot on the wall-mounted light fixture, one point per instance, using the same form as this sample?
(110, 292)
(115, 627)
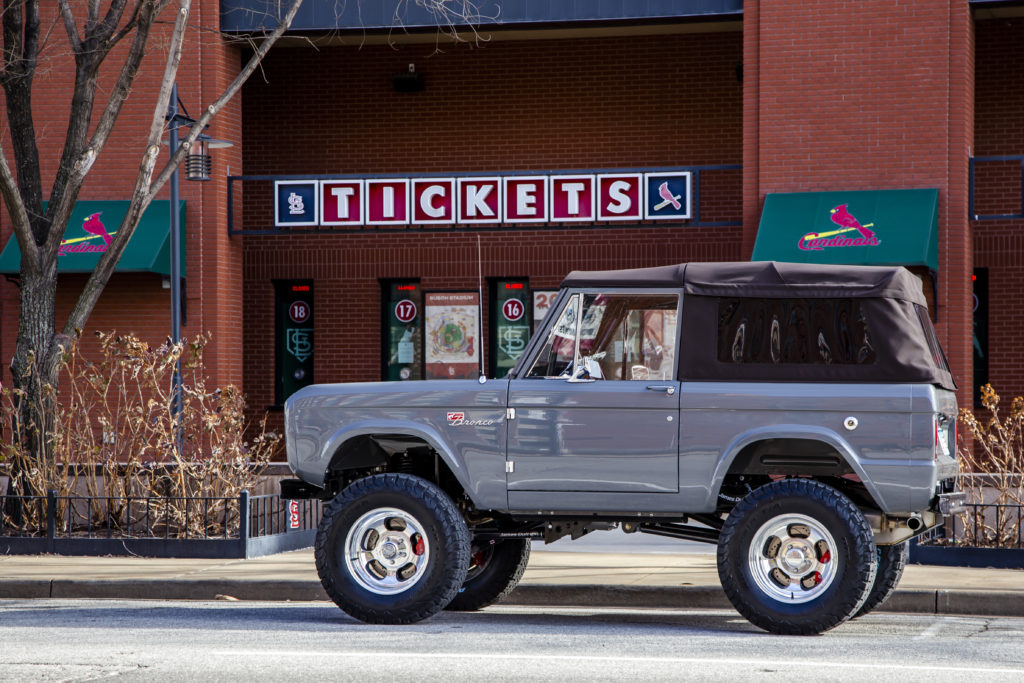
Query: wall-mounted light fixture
(198, 163)
(407, 81)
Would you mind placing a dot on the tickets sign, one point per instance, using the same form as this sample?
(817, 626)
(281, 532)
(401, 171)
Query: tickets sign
(493, 200)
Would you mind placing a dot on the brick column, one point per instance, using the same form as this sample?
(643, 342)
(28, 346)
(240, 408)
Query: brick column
(865, 96)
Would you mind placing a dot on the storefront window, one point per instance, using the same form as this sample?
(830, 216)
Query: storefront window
(451, 342)
(510, 323)
(542, 300)
(403, 333)
(293, 332)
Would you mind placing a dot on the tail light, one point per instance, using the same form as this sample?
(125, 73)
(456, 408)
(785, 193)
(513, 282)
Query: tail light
(942, 434)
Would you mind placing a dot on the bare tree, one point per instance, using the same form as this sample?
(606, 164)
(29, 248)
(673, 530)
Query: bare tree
(93, 29)
(93, 34)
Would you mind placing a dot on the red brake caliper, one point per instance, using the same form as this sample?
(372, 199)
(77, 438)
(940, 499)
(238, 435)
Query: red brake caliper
(821, 548)
(418, 546)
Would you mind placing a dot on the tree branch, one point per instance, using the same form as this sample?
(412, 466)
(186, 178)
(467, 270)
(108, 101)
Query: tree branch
(229, 92)
(141, 197)
(19, 217)
(69, 25)
(146, 188)
(21, 44)
(80, 153)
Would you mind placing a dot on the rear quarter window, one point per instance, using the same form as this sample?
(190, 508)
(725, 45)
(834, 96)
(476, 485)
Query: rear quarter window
(801, 331)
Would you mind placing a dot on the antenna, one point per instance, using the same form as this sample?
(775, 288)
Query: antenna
(480, 301)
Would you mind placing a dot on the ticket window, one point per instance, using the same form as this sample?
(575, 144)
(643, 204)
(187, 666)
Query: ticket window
(511, 319)
(403, 330)
(293, 332)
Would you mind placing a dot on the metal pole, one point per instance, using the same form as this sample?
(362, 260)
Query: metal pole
(175, 267)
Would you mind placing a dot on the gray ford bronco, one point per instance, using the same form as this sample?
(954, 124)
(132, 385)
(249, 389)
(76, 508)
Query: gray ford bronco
(800, 417)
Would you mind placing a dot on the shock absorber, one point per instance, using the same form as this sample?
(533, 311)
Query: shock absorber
(403, 463)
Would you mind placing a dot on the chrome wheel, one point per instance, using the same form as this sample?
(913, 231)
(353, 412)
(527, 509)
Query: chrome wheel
(387, 551)
(791, 558)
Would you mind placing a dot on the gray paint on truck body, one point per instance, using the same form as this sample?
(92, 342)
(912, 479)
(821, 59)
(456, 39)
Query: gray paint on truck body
(630, 464)
(629, 447)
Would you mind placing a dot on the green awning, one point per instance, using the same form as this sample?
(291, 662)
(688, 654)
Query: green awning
(90, 228)
(868, 228)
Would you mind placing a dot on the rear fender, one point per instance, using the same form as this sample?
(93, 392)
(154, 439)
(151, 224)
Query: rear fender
(805, 432)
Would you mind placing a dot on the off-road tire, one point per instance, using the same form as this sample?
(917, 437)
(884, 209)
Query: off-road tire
(892, 559)
(825, 605)
(443, 530)
(502, 564)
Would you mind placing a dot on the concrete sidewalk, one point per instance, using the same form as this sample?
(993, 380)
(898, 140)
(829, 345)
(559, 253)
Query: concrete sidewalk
(588, 579)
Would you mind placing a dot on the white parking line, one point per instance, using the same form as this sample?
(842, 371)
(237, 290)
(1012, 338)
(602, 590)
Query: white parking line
(588, 659)
(933, 630)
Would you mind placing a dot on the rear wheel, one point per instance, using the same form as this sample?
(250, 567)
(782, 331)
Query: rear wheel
(796, 557)
(392, 549)
(891, 561)
(494, 571)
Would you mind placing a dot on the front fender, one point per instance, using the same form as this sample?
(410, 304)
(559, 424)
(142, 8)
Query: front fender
(397, 427)
(808, 432)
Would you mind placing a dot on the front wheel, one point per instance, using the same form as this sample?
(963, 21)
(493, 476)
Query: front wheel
(494, 571)
(392, 549)
(796, 557)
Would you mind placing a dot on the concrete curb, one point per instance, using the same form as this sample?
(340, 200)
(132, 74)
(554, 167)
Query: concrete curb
(943, 601)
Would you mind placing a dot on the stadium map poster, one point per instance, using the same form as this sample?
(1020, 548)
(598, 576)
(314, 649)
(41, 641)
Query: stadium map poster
(452, 350)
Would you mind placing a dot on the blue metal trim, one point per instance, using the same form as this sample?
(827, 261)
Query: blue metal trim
(243, 16)
(695, 222)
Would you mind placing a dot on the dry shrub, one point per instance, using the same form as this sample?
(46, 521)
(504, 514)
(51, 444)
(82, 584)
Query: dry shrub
(991, 470)
(115, 437)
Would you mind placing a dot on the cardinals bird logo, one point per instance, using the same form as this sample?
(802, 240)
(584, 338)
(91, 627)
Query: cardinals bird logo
(667, 198)
(816, 241)
(94, 226)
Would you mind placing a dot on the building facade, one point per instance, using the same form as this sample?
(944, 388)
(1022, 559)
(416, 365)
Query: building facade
(390, 192)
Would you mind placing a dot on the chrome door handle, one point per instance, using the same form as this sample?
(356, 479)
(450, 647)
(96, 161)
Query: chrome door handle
(661, 387)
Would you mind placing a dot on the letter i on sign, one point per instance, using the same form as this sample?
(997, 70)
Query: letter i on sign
(387, 201)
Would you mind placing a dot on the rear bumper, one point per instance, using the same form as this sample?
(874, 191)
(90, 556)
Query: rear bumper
(951, 503)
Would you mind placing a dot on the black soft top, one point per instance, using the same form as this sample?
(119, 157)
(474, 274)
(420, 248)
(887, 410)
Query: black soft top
(768, 279)
(735, 312)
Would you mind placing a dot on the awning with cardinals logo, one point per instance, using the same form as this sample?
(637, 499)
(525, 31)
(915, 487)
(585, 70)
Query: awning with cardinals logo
(867, 228)
(91, 228)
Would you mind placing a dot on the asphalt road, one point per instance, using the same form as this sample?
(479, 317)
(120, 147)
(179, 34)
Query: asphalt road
(49, 640)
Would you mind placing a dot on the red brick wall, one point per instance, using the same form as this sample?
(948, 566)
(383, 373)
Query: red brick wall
(860, 96)
(585, 103)
(999, 245)
(137, 303)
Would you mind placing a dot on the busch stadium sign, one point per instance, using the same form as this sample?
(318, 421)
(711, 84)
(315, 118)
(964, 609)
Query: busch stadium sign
(493, 199)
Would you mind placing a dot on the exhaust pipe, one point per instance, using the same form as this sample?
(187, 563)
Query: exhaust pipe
(915, 523)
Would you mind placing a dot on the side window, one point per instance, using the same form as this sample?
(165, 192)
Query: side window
(631, 336)
(627, 336)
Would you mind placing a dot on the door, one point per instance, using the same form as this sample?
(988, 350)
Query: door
(598, 409)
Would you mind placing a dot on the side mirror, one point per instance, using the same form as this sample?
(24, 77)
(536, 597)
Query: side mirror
(586, 370)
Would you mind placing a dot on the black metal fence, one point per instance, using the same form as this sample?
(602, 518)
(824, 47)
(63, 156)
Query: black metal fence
(242, 527)
(985, 535)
